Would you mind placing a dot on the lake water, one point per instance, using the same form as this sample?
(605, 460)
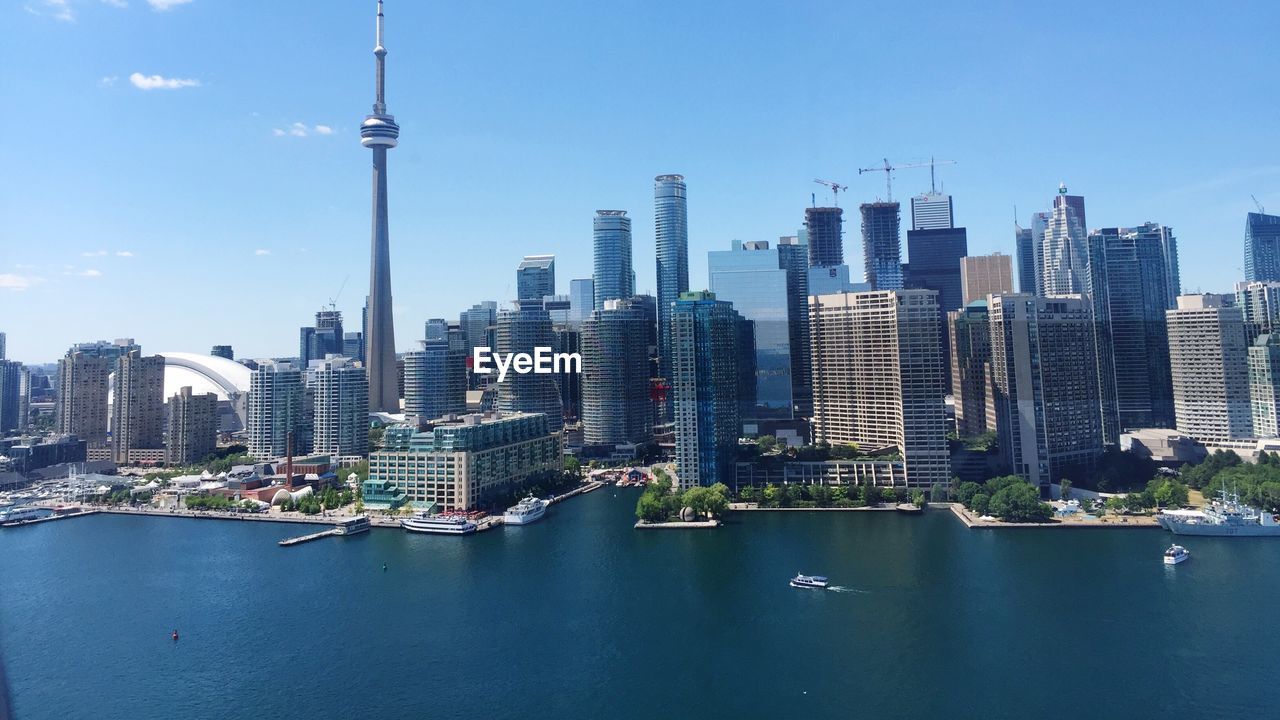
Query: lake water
(581, 616)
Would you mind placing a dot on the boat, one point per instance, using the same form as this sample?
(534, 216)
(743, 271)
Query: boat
(1224, 517)
(808, 581)
(1176, 554)
(528, 510)
(353, 525)
(423, 522)
(22, 513)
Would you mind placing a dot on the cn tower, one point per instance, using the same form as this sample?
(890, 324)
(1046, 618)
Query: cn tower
(379, 132)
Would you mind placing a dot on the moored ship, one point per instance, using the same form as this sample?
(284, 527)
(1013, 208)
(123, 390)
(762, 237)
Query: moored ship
(17, 514)
(1224, 517)
(423, 522)
(528, 510)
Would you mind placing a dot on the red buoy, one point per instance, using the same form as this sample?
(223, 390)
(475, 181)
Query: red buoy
(175, 635)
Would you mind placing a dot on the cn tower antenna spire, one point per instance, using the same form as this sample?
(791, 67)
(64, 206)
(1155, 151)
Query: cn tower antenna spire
(380, 101)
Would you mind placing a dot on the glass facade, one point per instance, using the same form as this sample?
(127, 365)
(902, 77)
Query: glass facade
(671, 219)
(614, 275)
(616, 408)
(882, 245)
(581, 299)
(536, 277)
(523, 331)
(1262, 247)
(704, 388)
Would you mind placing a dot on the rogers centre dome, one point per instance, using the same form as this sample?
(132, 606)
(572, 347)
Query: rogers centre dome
(227, 379)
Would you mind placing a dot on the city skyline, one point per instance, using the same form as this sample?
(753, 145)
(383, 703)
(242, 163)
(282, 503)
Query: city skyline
(154, 227)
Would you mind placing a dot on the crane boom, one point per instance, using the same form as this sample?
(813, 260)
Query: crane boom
(835, 190)
(888, 169)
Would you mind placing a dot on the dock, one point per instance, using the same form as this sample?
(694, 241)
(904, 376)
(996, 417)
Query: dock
(288, 542)
(48, 518)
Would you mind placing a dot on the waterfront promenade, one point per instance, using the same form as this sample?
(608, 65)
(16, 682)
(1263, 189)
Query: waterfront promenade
(1116, 522)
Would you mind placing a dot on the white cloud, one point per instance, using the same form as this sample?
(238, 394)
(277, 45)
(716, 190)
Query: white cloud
(94, 253)
(301, 129)
(86, 273)
(61, 10)
(157, 82)
(324, 130)
(298, 130)
(278, 132)
(162, 5)
(18, 283)
(124, 253)
(108, 81)
(261, 251)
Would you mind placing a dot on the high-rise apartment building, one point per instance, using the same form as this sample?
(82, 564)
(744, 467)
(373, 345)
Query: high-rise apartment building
(137, 405)
(223, 351)
(970, 332)
(193, 427)
(983, 275)
(339, 389)
(477, 323)
(882, 245)
(435, 378)
(536, 278)
(1259, 301)
(24, 398)
(1045, 386)
(568, 339)
(278, 406)
(582, 300)
(324, 339)
(1264, 385)
(1208, 357)
(705, 388)
(11, 396)
(671, 226)
(523, 331)
(1261, 247)
(878, 378)
(83, 384)
(616, 409)
(824, 230)
(1064, 252)
(614, 277)
(932, 211)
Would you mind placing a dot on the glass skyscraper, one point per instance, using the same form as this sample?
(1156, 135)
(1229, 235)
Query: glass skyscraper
(1064, 252)
(824, 228)
(582, 300)
(616, 409)
(614, 277)
(536, 277)
(1262, 247)
(882, 245)
(435, 377)
(705, 388)
(521, 331)
(671, 220)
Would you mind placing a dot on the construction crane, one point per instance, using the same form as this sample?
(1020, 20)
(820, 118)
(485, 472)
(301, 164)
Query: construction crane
(333, 301)
(888, 173)
(1261, 210)
(835, 190)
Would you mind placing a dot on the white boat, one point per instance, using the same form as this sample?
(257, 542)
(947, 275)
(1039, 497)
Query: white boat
(354, 525)
(423, 522)
(809, 581)
(528, 510)
(21, 513)
(1226, 516)
(1176, 554)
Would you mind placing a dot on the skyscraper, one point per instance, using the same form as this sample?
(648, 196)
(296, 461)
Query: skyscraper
(1261, 247)
(983, 275)
(340, 412)
(616, 409)
(435, 380)
(932, 211)
(671, 220)
(582, 300)
(1045, 386)
(1260, 303)
(705, 388)
(193, 427)
(83, 383)
(882, 245)
(1264, 385)
(137, 405)
(477, 322)
(223, 351)
(614, 277)
(1026, 260)
(824, 227)
(379, 132)
(970, 331)
(11, 389)
(521, 331)
(1064, 253)
(536, 278)
(793, 256)
(1075, 202)
(877, 377)
(1208, 357)
(277, 407)
(325, 338)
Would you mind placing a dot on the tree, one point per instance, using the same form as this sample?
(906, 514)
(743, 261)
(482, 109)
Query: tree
(966, 491)
(1201, 475)
(1065, 484)
(846, 451)
(980, 503)
(717, 500)
(767, 444)
(917, 498)
(573, 466)
(1019, 502)
(821, 495)
(889, 495)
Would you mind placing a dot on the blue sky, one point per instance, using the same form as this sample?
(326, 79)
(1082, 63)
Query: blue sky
(192, 215)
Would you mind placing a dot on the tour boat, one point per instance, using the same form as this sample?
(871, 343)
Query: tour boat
(353, 525)
(421, 522)
(1176, 554)
(22, 513)
(528, 510)
(809, 581)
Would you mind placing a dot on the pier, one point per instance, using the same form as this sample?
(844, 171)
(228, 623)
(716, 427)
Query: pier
(48, 518)
(288, 542)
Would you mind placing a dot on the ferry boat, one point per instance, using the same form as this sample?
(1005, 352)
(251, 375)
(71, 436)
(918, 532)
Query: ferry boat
(808, 581)
(1226, 516)
(422, 522)
(352, 526)
(528, 510)
(1176, 554)
(21, 513)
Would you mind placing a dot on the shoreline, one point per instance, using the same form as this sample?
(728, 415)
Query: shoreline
(753, 507)
(973, 523)
(678, 525)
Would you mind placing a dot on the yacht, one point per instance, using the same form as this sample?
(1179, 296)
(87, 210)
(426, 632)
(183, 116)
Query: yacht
(809, 581)
(1176, 554)
(1223, 517)
(21, 513)
(422, 522)
(353, 526)
(528, 510)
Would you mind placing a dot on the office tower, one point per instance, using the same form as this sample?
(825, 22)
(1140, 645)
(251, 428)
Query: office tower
(137, 405)
(277, 407)
(934, 264)
(877, 377)
(793, 256)
(704, 388)
(1045, 386)
(1039, 225)
(1026, 260)
(435, 379)
(476, 323)
(824, 228)
(1208, 357)
(568, 339)
(353, 345)
(616, 409)
(614, 278)
(379, 132)
(24, 398)
(558, 307)
(340, 412)
(11, 391)
(581, 299)
(523, 331)
(932, 211)
(193, 427)
(970, 331)
(983, 275)
(223, 351)
(1128, 283)
(1064, 252)
(536, 278)
(1264, 385)
(1259, 301)
(2, 346)
(1261, 247)
(671, 221)
(325, 338)
(83, 384)
(754, 278)
(881, 245)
